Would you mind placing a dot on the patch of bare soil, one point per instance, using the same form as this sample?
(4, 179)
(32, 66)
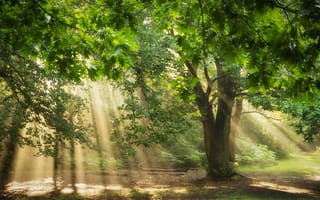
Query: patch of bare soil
(176, 184)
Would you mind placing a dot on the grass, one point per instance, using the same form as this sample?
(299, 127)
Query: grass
(303, 164)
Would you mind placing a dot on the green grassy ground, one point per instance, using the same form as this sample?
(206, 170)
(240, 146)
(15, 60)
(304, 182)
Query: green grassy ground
(300, 164)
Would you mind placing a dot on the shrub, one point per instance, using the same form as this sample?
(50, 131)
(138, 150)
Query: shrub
(250, 153)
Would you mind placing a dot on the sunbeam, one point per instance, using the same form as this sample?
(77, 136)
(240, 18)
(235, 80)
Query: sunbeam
(100, 171)
(27, 166)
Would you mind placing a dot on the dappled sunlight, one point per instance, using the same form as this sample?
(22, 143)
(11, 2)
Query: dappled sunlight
(32, 188)
(206, 189)
(313, 178)
(45, 186)
(94, 190)
(283, 188)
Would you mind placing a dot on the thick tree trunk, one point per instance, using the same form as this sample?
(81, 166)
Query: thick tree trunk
(218, 162)
(234, 129)
(216, 129)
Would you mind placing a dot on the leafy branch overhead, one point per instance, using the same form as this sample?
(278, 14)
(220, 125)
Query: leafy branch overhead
(75, 39)
(39, 104)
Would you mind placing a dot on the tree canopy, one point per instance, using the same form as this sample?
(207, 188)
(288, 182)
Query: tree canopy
(276, 41)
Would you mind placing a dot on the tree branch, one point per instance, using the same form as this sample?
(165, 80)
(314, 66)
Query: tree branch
(191, 69)
(52, 15)
(284, 7)
(260, 113)
(246, 20)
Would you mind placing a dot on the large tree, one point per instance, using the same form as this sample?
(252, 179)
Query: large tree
(273, 43)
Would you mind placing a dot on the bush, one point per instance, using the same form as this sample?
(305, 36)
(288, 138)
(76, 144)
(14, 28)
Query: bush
(258, 134)
(186, 150)
(188, 158)
(250, 153)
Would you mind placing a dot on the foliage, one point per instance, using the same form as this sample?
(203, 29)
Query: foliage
(259, 135)
(47, 112)
(266, 37)
(252, 154)
(218, 44)
(152, 112)
(187, 150)
(72, 38)
(303, 115)
(212, 46)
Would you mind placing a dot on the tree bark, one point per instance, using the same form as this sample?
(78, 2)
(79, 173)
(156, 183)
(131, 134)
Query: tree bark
(218, 163)
(216, 128)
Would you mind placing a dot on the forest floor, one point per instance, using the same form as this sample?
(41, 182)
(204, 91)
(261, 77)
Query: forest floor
(297, 177)
(175, 184)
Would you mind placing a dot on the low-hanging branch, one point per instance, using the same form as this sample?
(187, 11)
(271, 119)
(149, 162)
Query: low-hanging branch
(260, 113)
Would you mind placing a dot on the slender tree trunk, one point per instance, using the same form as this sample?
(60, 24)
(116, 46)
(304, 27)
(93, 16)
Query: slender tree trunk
(56, 163)
(235, 128)
(73, 166)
